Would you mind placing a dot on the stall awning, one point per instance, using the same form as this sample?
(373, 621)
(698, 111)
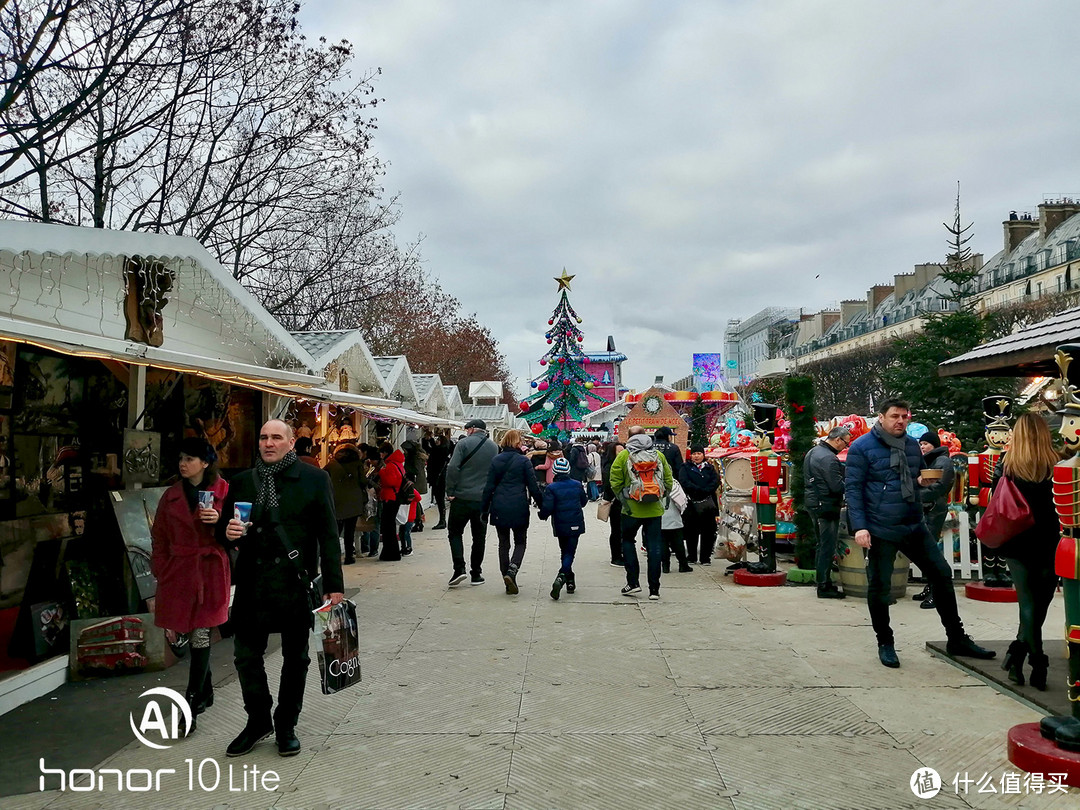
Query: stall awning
(411, 417)
(80, 344)
(1028, 352)
(339, 397)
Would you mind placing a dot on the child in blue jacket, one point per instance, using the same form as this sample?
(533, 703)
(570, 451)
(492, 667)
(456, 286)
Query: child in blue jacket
(563, 502)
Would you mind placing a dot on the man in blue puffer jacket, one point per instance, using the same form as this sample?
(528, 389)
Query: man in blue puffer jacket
(885, 513)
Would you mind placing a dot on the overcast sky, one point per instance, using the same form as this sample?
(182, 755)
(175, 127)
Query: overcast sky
(692, 162)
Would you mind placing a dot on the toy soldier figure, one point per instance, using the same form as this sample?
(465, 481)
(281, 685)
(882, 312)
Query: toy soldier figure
(1065, 730)
(768, 470)
(997, 413)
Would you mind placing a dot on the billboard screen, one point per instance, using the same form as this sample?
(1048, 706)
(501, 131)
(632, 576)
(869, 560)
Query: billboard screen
(708, 373)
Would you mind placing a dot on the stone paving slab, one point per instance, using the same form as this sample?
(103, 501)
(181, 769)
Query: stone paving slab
(774, 668)
(589, 708)
(434, 708)
(774, 710)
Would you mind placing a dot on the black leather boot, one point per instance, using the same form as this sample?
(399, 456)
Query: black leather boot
(1040, 663)
(1014, 662)
(923, 594)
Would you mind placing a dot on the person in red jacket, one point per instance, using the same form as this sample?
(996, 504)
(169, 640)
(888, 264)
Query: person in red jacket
(191, 567)
(391, 477)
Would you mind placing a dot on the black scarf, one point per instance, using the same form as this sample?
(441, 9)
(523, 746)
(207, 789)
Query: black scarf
(898, 460)
(267, 475)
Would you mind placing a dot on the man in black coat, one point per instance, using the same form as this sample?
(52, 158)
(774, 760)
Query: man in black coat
(439, 449)
(662, 444)
(291, 535)
(824, 477)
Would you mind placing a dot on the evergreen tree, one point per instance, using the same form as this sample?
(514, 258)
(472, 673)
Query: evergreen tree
(799, 395)
(954, 403)
(698, 418)
(563, 390)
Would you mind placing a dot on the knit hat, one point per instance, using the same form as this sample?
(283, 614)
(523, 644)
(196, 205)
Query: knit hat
(697, 448)
(561, 465)
(931, 437)
(198, 447)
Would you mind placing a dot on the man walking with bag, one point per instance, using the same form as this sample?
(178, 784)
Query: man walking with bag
(290, 537)
(886, 515)
(466, 476)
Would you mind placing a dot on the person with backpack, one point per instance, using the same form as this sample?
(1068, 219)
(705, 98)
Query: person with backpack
(563, 502)
(466, 476)
(579, 463)
(511, 484)
(641, 477)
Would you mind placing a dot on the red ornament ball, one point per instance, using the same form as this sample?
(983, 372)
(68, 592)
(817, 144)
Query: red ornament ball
(524, 406)
(537, 429)
(549, 340)
(580, 338)
(565, 382)
(562, 359)
(551, 321)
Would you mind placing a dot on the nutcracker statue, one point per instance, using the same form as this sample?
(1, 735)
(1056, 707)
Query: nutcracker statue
(769, 483)
(997, 411)
(1065, 730)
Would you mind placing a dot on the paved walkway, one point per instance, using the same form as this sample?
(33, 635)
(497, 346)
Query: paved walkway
(717, 696)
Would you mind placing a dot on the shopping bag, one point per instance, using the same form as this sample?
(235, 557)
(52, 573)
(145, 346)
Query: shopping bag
(1007, 516)
(339, 653)
(603, 510)
(402, 516)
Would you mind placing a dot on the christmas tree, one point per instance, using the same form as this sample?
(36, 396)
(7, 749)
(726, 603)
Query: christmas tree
(563, 391)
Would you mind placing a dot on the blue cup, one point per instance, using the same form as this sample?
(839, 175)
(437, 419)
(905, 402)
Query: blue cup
(206, 499)
(242, 511)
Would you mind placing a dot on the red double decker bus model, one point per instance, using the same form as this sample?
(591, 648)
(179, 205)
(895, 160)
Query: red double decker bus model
(115, 643)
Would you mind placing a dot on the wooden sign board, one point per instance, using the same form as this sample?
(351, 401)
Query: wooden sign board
(652, 411)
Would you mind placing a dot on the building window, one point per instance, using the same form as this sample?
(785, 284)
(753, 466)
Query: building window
(943, 304)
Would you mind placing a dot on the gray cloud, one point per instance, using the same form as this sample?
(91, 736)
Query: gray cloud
(692, 162)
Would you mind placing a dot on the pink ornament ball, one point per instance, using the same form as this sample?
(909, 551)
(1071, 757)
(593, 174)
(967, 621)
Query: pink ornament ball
(580, 338)
(543, 386)
(549, 340)
(543, 362)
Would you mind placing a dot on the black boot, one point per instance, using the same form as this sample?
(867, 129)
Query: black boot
(1014, 662)
(198, 678)
(207, 696)
(571, 583)
(192, 699)
(1039, 664)
(923, 594)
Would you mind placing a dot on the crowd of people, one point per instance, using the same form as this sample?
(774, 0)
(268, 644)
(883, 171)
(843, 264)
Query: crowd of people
(281, 531)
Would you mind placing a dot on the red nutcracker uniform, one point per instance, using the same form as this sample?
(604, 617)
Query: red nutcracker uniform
(997, 412)
(1065, 730)
(769, 482)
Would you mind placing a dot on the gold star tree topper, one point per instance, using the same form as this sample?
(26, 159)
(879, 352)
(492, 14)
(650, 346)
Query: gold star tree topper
(564, 280)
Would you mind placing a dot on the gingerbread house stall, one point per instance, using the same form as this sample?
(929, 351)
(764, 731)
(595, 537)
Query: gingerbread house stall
(652, 412)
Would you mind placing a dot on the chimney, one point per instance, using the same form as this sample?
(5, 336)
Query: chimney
(849, 309)
(829, 317)
(904, 283)
(659, 379)
(876, 294)
(1054, 212)
(1018, 228)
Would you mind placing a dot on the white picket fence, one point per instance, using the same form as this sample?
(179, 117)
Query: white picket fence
(957, 546)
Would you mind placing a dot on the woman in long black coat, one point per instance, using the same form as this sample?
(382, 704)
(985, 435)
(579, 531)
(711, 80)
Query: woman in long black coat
(511, 483)
(699, 479)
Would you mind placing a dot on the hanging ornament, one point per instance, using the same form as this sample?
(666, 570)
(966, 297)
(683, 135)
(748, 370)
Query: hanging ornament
(580, 338)
(584, 403)
(585, 360)
(543, 362)
(548, 406)
(588, 385)
(543, 386)
(562, 360)
(532, 384)
(566, 382)
(551, 321)
(537, 429)
(579, 320)
(524, 406)
(549, 340)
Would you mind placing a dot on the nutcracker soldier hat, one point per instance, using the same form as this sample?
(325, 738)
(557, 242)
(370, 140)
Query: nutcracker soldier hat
(1067, 358)
(997, 411)
(764, 416)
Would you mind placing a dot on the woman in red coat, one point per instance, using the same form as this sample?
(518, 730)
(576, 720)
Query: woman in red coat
(191, 567)
(391, 476)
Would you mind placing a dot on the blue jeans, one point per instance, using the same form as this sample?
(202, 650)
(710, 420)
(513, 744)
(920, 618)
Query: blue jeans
(594, 490)
(654, 549)
(568, 544)
(405, 536)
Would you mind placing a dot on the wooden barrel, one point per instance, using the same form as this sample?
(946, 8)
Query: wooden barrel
(853, 571)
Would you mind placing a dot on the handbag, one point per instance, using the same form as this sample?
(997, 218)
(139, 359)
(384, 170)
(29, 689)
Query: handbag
(1007, 516)
(603, 510)
(339, 653)
(705, 506)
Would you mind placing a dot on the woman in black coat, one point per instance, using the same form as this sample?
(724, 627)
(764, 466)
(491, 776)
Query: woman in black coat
(1029, 463)
(699, 480)
(611, 450)
(511, 483)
